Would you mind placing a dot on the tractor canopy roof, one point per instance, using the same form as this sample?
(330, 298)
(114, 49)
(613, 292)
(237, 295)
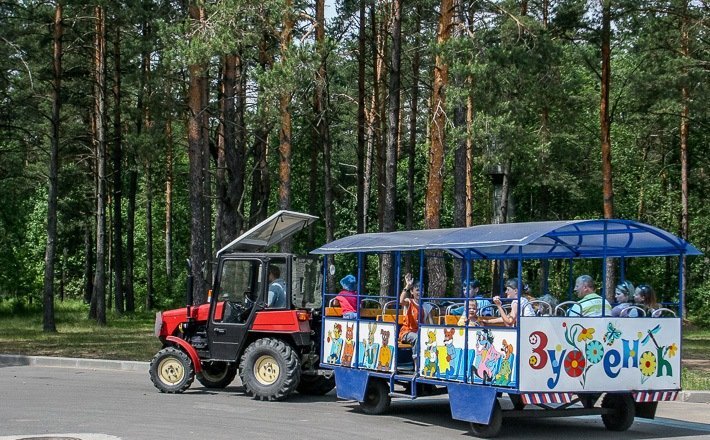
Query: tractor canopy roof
(271, 231)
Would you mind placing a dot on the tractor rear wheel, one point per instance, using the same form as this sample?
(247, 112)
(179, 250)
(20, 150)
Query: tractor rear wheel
(315, 385)
(171, 370)
(270, 369)
(217, 374)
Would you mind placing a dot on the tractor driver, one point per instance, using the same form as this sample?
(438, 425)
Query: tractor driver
(277, 288)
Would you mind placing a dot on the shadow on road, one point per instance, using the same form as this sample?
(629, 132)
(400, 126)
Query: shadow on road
(436, 412)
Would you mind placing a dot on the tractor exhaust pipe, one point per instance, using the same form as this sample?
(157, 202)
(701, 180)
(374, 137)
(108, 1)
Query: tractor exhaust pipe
(190, 283)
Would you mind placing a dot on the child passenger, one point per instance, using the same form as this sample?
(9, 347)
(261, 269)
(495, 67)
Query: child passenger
(347, 298)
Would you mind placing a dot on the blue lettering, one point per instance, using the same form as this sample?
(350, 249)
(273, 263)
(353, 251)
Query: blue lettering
(631, 353)
(556, 368)
(612, 358)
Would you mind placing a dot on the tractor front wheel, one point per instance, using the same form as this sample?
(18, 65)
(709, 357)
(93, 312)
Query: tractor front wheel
(217, 374)
(270, 369)
(171, 370)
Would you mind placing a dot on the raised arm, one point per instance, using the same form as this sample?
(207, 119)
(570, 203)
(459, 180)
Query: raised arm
(406, 291)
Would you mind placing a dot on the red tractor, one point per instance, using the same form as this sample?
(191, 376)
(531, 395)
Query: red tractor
(262, 320)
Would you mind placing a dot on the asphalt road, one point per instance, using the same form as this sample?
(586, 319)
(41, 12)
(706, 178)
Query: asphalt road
(88, 404)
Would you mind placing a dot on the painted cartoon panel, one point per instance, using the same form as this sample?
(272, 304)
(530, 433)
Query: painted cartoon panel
(490, 358)
(375, 348)
(333, 340)
(493, 356)
(593, 354)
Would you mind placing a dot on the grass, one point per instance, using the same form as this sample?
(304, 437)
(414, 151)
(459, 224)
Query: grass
(130, 337)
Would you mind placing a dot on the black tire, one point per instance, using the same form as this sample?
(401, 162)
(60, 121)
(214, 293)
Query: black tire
(517, 401)
(315, 385)
(171, 370)
(492, 429)
(377, 398)
(217, 374)
(270, 369)
(588, 400)
(624, 412)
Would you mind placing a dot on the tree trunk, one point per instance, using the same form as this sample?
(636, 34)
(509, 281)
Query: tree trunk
(88, 258)
(261, 182)
(285, 132)
(130, 239)
(360, 210)
(99, 296)
(604, 113)
(684, 132)
(605, 118)
(196, 149)
(150, 293)
(48, 324)
(435, 181)
(117, 176)
(392, 146)
(469, 152)
(169, 207)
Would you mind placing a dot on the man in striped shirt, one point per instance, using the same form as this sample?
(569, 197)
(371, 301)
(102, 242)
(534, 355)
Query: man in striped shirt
(590, 303)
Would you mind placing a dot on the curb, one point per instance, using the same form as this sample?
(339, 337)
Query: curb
(16, 360)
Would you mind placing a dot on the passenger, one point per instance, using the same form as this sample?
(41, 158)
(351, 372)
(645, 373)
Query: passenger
(645, 297)
(277, 288)
(409, 300)
(590, 303)
(471, 319)
(347, 298)
(471, 291)
(543, 310)
(511, 292)
(624, 294)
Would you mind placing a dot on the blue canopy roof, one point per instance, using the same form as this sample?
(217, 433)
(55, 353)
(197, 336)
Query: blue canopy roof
(551, 239)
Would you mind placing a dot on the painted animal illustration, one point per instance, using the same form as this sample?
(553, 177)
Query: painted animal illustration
(506, 368)
(336, 347)
(349, 349)
(486, 355)
(450, 351)
(370, 349)
(385, 358)
(430, 356)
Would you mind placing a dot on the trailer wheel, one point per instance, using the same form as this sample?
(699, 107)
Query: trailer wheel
(492, 429)
(377, 398)
(217, 374)
(270, 369)
(171, 370)
(517, 401)
(315, 385)
(624, 411)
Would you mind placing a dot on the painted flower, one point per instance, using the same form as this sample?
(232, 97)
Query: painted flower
(585, 335)
(595, 352)
(575, 363)
(672, 350)
(533, 361)
(648, 363)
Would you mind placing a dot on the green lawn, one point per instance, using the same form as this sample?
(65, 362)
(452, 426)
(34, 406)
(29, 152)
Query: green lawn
(131, 338)
(124, 338)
